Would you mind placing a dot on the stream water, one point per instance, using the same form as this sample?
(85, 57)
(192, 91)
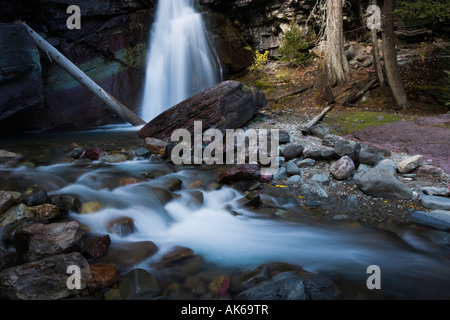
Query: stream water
(414, 262)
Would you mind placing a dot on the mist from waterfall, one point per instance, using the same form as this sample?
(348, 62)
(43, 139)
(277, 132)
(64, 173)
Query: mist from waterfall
(181, 61)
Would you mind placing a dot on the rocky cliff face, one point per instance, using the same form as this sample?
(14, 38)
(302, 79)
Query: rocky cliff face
(110, 47)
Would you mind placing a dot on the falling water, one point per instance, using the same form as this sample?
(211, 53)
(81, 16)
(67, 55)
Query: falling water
(181, 62)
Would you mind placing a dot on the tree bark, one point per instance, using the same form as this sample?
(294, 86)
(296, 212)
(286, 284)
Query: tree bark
(376, 55)
(336, 64)
(390, 57)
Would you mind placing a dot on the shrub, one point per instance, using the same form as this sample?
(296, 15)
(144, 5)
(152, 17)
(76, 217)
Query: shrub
(260, 61)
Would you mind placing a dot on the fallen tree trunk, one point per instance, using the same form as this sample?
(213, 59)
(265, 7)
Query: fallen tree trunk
(81, 77)
(306, 128)
(358, 93)
(292, 93)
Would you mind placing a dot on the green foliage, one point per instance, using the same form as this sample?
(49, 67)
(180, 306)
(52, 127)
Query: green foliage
(430, 11)
(260, 61)
(294, 47)
(446, 94)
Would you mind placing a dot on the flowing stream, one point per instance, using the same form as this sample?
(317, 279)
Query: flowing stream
(181, 62)
(414, 263)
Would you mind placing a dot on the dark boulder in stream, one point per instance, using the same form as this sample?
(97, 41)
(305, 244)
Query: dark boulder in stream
(228, 105)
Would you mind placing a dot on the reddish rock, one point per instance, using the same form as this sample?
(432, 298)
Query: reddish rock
(240, 172)
(94, 153)
(97, 246)
(175, 256)
(104, 275)
(122, 226)
(128, 181)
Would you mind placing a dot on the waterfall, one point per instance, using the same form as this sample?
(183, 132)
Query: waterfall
(181, 62)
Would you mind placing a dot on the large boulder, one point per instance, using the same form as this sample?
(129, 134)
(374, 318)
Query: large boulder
(228, 105)
(382, 183)
(46, 279)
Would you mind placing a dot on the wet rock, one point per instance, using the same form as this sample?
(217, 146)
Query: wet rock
(284, 137)
(347, 148)
(156, 146)
(318, 287)
(173, 184)
(45, 211)
(343, 168)
(91, 207)
(294, 180)
(250, 278)
(114, 158)
(219, 286)
(45, 279)
(370, 156)
(239, 172)
(122, 226)
(96, 246)
(250, 199)
(292, 151)
(66, 203)
(435, 202)
(14, 214)
(6, 200)
(321, 179)
(410, 164)
(283, 286)
(127, 255)
(10, 230)
(437, 219)
(138, 284)
(435, 191)
(33, 197)
(38, 240)
(280, 174)
(7, 154)
(76, 153)
(379, 182)
(177, 255)
(291, 168)
(128, 181)
(104, 275)
(305, 163)
(94, 153)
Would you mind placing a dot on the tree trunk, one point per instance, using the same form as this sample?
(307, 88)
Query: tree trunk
(376, 55)
(390, 58)
(82, 78)
(336, 64)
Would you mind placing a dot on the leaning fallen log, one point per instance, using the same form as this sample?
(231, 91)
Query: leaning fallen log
(358, 93)
(81, 77)
(306, 128)
(293, 92)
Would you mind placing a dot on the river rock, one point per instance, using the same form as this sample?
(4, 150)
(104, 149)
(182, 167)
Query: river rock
(115, 157)
(380, 182)
(280, 174)
(305, 163)
(45, 279)
(250, 278)
(291, 168)
(45, 211)
(156, 146)
(330, 140)
(38, 240)
(438, 219)
(343, 168)
(294, 180)
(239, 172)
(320, 131)
(435, 191)
(128, 254)
(14, 214)
(66, 203)
(227, 105)
(175, 256)
(283, 286)
(410, 164)
(6, 200)
(91, 207)
(94, 153)
(33, 197)
(104, 275)
(435, 202)
(321, 179)
(138, 284)
(347, 148)
(370, 156)
(432, 173)
(292, 151)
(96, 246)
(122, 226)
